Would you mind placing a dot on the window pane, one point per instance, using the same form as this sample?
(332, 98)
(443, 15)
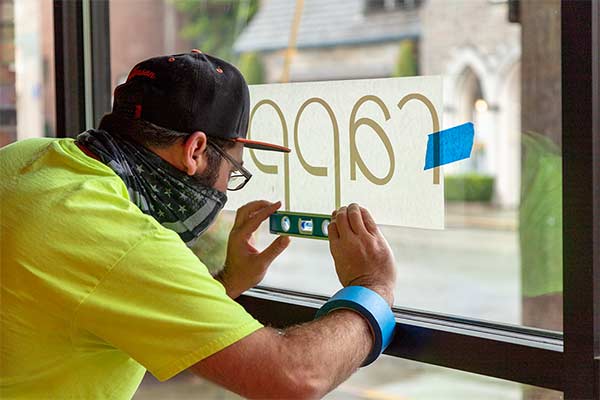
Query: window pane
(171, 27)
(500, 256)
(27, 105)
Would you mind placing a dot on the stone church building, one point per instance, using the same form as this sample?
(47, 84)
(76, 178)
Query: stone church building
(471, 44)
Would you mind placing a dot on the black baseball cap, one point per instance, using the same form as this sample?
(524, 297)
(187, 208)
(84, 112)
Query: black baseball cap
(187, 93)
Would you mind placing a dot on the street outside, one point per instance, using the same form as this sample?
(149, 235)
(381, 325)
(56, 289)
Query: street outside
(470, 271)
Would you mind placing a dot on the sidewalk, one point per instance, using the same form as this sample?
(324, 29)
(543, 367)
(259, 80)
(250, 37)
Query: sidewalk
(482, 216)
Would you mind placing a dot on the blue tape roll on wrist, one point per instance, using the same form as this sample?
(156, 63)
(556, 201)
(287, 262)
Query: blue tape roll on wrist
(371, 306)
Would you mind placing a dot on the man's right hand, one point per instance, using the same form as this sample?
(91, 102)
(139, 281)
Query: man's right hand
(362, 255)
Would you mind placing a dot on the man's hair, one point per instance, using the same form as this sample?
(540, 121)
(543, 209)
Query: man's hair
(150, 135)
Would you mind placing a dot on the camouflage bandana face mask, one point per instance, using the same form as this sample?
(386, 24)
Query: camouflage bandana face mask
(178, 201)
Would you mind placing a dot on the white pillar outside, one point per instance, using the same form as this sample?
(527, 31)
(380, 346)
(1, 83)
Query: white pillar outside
(29, 70)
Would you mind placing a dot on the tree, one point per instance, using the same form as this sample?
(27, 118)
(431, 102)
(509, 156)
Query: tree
(406, 64)
(251, 67)
(213, 25)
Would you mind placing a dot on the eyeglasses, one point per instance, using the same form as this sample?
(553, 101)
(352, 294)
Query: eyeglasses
(239, 176)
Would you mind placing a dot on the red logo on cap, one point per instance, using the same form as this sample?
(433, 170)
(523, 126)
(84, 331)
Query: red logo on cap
(141, 72)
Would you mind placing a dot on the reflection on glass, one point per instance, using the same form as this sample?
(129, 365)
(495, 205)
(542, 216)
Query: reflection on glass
(540, 232)
(26, 70)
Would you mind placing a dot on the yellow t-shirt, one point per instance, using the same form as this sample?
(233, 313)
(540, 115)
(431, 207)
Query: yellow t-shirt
(93, 291)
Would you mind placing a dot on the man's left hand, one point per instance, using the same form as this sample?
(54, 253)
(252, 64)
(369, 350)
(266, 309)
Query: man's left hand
(245, 266)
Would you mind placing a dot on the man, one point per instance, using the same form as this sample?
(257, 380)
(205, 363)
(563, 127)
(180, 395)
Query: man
(98, 284)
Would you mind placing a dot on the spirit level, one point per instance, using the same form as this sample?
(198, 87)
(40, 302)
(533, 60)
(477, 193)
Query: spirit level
(312, 226)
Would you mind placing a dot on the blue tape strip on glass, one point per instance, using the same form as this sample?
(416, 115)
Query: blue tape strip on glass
(449, 145)
(371, 306)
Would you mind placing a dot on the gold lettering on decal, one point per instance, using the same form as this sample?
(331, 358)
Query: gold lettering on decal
(322, 171)
(355, 158)
(434, 119)
(272, 169)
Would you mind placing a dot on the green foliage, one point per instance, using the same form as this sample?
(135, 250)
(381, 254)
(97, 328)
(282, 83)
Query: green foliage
(213, 25)
(540, 216)
(406, 63)
(251, 67)
(469, 187)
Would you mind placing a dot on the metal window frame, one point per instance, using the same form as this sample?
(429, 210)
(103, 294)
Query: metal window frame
(581, 198)
(513, 353)
(68, 43)
(82, 64)
(569, 362)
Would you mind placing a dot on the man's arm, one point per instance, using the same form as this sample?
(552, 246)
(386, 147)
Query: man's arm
(309, 360)
(306, 361)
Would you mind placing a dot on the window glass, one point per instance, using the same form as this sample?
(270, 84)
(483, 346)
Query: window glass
(171, 27)
(27, 105)
(500, 255)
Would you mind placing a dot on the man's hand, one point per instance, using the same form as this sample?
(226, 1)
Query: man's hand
(245, 266)
(362, 255)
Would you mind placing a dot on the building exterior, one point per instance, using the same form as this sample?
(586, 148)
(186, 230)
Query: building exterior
(477, 50)
(27, 94)
(26, 70)
(336, 39)
(471, 44)
(8, 112)
(157, 35)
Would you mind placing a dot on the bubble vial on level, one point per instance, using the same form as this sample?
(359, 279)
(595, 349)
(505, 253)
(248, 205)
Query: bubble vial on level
(306, 226)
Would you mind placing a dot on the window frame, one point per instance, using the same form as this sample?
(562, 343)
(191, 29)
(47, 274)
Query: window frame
(82, 64)
(569, 362)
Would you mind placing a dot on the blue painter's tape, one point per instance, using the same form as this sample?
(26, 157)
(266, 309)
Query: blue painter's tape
(449, 145)
(371, 306)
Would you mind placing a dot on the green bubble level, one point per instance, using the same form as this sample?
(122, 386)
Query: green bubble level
(311, 226)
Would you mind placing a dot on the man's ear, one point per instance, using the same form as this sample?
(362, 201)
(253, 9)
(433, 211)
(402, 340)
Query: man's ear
(194, 153)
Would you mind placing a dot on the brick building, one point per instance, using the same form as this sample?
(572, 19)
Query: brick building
(27, 96)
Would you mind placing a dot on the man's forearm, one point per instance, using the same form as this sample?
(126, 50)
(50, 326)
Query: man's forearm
(305, 361)
(327, 351)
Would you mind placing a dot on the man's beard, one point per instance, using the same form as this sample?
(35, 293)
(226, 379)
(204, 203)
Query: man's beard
(207, 178)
